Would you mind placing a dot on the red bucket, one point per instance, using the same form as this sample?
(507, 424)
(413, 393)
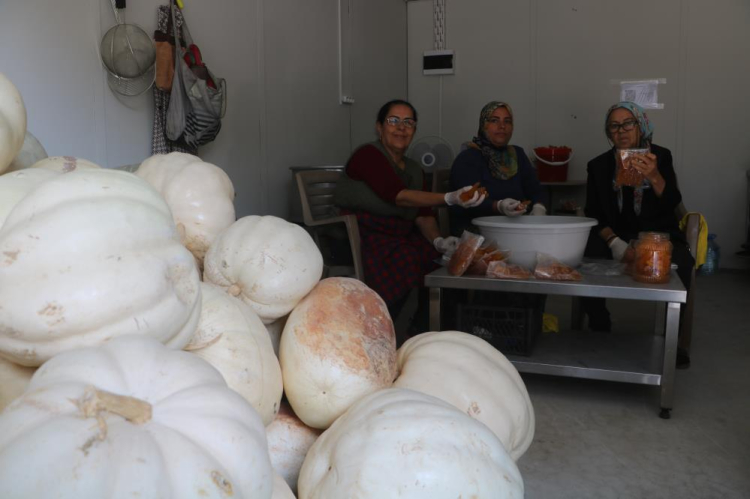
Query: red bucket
(552, 163)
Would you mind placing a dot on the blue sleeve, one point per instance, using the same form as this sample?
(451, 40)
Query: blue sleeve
(467, 170)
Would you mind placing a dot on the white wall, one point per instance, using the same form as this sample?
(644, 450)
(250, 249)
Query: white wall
(553, 61)
(280, 59)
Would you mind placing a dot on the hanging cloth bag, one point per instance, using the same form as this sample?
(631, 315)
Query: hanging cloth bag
(199, 99)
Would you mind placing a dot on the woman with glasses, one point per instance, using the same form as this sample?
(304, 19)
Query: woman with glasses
(504, 170)
(623, 211)
(399, 233)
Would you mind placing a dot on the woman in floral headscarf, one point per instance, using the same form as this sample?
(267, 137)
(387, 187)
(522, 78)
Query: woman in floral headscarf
(504, 170)
(621, 211)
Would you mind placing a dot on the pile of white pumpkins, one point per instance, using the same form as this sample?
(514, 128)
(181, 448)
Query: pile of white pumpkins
(147, 339)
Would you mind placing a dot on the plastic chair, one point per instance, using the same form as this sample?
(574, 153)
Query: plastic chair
(316, 190)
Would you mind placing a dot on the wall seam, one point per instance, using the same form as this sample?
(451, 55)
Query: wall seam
(682, 65)
(262, 121)
(534, 67)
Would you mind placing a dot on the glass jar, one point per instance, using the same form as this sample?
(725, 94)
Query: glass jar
(653, 258)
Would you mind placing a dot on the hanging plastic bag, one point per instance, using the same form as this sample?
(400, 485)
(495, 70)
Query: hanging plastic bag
(199, 98)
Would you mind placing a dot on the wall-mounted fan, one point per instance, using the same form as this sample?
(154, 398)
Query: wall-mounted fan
(432, 153)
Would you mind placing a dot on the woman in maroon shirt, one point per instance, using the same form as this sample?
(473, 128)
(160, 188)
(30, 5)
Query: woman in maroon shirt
(399, 233)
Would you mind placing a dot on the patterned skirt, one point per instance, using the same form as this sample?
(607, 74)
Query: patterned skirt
(395, 255)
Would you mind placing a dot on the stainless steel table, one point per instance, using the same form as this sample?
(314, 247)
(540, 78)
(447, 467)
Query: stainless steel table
(632, 358)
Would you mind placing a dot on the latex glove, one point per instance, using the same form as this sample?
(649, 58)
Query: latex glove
(509, 207)
(538, 210)
(446, 245)
(453, 198)
(618, 247)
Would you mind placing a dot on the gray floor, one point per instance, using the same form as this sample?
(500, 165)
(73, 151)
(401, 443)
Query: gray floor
(600, 440)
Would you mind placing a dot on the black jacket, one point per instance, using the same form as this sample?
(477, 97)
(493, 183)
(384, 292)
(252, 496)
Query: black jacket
(657, 213)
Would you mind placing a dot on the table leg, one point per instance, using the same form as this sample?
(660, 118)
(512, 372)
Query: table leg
(670, 355)
(435, 295)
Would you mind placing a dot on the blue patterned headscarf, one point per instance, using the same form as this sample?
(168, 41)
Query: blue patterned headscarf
(647, 133)
(502, 161)
(644, 124)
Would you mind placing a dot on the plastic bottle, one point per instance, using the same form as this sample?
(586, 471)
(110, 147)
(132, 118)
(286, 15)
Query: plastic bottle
(713, 253)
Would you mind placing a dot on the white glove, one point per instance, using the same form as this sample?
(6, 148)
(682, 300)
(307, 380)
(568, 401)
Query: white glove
(618, 247)
(538, 210)
(446, 245)
(509, 207)
(454, 197)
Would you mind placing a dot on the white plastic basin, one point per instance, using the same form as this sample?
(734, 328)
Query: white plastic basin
(562, 237)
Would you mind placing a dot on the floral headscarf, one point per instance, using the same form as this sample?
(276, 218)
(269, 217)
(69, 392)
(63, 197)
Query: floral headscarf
(644, 124)
(647, 133)
(502, 161)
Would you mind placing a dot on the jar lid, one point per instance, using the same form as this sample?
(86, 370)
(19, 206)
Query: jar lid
(654, 236)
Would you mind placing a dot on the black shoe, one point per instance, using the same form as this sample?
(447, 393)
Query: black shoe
(683, 359)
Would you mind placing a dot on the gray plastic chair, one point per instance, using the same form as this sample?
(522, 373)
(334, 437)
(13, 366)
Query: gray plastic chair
(316, 188)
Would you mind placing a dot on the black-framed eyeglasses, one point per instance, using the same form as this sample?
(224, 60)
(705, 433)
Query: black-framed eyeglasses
(625, 126)
(396, 121)
(497, 121)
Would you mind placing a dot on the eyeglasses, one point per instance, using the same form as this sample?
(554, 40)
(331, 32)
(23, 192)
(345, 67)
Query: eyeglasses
(497, 121)
(625, 126)
(396, 121)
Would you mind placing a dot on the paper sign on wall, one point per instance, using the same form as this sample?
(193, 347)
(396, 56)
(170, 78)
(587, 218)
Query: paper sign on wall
(643, 92)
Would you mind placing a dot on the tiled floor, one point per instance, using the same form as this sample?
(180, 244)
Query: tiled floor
(598, 439)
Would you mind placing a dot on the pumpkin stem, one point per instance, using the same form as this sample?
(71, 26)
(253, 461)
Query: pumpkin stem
(95, 401)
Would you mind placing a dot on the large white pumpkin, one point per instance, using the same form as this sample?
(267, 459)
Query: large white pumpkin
(88, 256)
(472, 375)
(338, 345)
(200, 195)
(280, 488)
(267, 262)
(31, 151)
(289, 439)
(14, 186)
(65, 164)
(132, 418)
(13, 381)
(12, 122)
(405, 444)
(231, 337)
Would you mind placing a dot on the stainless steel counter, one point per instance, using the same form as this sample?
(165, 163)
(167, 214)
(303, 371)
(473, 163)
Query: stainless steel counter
(636, 357)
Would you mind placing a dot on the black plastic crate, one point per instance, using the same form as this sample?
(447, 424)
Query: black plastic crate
(511, 329)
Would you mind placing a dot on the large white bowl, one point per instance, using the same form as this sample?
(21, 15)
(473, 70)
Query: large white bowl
(562, 237)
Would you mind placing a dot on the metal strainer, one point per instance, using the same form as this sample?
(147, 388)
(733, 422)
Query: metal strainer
(129, 56)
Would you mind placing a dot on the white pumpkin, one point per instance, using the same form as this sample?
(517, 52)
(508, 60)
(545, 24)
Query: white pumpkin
(280, 489)
(64, 164)
(267, 262)
(88, 256)
(338, 345)
(275, 329)
(31, 151)
(12, 122)
(13, 381)
(132, 418)
(289, 439)
(472, 375)
(405, 444)
(14, 186)
(231, 337)
(200, 195)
